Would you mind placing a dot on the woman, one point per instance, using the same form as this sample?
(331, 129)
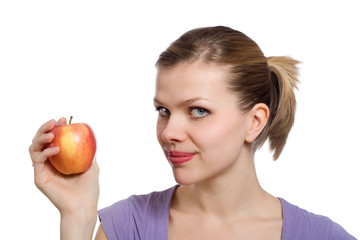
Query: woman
(219, 99)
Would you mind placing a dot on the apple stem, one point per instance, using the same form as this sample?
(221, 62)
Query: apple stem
(71, 117)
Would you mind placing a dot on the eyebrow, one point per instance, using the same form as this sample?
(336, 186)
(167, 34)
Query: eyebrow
(184, 103)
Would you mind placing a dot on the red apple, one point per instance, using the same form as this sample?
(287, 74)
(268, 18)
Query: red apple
(77, 147)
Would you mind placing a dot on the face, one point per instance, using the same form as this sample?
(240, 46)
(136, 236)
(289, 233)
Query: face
(200, 127)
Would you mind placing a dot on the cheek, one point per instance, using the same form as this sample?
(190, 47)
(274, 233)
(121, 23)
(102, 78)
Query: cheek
(220, 138)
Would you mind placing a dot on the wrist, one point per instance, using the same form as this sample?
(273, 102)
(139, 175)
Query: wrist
(78, 224)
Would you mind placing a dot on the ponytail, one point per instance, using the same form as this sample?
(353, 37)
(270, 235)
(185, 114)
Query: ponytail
(284, 73)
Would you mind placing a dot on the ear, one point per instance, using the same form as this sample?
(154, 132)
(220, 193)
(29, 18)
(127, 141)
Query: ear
(259, 115)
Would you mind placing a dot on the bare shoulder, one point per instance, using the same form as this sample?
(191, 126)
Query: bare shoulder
(100, 234)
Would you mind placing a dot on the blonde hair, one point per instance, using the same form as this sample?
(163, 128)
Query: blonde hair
(255, 78)
(284, 73)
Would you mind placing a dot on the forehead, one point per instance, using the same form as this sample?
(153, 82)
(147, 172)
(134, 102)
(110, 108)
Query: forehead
(189, 80)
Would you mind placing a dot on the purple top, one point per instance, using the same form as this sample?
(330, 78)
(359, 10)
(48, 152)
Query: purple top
(147, 217)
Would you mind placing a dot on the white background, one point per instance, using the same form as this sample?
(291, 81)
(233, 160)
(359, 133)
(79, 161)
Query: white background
(95, 60)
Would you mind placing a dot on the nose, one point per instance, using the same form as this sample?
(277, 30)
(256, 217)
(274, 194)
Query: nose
(173, 129)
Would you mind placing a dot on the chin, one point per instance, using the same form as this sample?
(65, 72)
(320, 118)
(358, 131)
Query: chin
(183, 177)
(183, 182)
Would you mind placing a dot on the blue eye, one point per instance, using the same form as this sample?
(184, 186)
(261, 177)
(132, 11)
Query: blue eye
(163, 112)
(197, 112)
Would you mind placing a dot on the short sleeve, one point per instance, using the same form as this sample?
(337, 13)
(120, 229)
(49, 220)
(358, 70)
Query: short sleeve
(300, 224)
(321, 227)
(115, 220)
(339, 233)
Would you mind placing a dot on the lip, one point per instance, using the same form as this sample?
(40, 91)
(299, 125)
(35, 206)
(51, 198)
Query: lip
(176, 157)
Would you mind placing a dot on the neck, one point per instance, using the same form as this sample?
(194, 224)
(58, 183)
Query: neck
(236, 193)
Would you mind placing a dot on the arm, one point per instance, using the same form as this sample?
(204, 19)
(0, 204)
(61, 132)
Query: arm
(79, 225)
(75, 196)
(100, 235)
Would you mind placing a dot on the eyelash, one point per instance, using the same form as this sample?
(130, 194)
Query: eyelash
(207, 112)
(199, 108)
(158, 109)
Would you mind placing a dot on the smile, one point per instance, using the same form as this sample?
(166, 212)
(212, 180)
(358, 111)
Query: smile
(180, 157)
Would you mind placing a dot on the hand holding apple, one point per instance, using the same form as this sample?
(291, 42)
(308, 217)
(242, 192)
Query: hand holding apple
(76, 196)
(77, 147)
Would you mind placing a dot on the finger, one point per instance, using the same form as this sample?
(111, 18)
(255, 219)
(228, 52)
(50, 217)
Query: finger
(62, 120)
(39, 142)
(95, 166)
(42, 173)
(44, 155)
(46, 127)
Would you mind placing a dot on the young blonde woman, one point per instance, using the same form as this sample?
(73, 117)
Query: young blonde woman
(219, 99)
